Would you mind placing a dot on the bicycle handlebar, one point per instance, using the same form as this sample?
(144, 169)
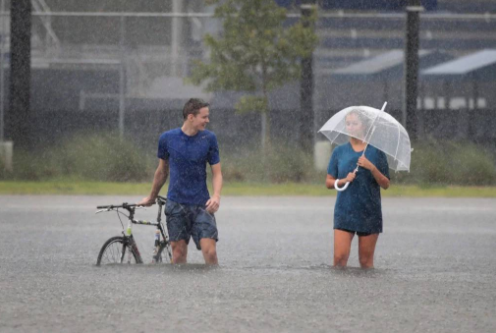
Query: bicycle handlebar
(126, 205)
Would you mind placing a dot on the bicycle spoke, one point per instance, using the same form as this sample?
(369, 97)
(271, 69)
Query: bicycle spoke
(109, 252)
(114, 255)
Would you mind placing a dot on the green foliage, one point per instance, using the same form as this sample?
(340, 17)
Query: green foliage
(286, 163)
(242, 164)
(256, 53)
(449, 163)
(31, 166)
(252, 103)
(104, 157)
(3, 170)
(471, 165)
(98, 157)
(434, 164)
(289, 163)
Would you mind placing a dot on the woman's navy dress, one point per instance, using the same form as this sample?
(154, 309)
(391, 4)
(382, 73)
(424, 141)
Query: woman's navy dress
(358, 208)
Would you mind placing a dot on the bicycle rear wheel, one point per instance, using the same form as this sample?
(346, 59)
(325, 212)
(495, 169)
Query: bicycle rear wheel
(164, 253)
(117, 251)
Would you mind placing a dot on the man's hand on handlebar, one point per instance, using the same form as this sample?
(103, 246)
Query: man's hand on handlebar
(147, 202)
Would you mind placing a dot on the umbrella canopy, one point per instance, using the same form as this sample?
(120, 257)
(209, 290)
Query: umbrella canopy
(382, 131)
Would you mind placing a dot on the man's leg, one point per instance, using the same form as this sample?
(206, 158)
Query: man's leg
(178, 224)
(205, 235)
(208, 247)
(179, 251)
(342, 245)
(366, 248)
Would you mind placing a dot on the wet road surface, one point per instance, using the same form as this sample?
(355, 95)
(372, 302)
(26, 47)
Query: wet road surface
(435, 270)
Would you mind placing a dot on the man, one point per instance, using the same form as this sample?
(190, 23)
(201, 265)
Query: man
(190, 210)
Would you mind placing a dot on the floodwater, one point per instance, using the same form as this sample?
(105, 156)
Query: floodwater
(435, 270)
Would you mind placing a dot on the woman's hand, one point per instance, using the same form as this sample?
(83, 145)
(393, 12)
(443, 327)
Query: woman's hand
(350, 177)
(382, 180)
(365, 163)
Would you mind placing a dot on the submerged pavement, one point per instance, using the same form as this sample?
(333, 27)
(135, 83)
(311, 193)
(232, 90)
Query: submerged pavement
(435, 270)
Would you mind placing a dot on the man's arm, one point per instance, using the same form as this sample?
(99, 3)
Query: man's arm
(214, 202)
(159, 180)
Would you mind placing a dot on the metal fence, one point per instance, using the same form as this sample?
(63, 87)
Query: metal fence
(125, 71)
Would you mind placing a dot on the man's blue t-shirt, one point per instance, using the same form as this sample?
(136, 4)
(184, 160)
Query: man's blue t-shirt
(188, 157)
(358, 208)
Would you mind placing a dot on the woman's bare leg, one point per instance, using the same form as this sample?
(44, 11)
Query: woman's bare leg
(366, 248)
(342, 245)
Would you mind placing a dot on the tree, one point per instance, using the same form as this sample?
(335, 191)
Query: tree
(256, 52)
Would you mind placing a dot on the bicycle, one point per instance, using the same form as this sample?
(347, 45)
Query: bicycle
(114, 250)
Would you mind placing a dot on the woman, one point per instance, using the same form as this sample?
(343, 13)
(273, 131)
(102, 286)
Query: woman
(358, 208)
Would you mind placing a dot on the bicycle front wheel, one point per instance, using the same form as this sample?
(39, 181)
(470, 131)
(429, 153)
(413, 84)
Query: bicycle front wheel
(117, 251)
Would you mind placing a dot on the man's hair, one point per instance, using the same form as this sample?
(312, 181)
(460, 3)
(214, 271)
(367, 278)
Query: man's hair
(193, 107)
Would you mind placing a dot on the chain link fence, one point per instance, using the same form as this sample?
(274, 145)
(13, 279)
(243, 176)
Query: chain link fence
(125, 71)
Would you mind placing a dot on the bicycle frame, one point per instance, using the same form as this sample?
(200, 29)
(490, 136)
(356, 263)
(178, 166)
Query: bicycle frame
(158, 223)
(128, 236)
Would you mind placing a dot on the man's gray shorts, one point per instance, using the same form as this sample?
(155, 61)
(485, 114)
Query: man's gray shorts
(185, 221)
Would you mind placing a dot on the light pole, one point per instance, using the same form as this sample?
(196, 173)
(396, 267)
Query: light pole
(306, 87)
(2, 95)
(122, 78)
(410, 88)
(20, 73)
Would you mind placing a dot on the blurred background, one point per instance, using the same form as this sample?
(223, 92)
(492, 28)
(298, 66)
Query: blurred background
(108, 77)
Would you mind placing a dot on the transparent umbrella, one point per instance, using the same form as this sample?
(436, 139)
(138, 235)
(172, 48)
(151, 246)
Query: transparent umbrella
(383, 132)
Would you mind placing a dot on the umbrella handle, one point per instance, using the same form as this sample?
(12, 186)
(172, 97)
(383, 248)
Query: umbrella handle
(340, 189)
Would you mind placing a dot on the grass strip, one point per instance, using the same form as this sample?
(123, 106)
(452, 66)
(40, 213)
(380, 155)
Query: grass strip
(233, 189)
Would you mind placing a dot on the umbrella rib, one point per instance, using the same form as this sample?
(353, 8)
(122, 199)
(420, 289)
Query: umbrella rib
(373, 123)
(370, 129)
(398, 145)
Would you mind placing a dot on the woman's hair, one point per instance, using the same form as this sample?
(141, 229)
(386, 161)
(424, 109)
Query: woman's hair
(364, 119)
